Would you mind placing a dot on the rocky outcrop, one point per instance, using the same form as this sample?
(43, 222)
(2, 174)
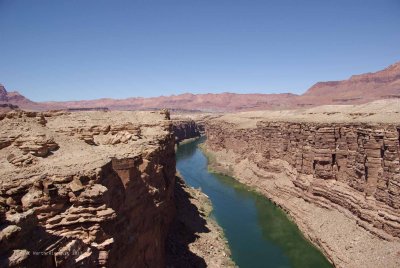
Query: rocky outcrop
(3, 93)
(14, 99)
(71, 195)
(315, 169)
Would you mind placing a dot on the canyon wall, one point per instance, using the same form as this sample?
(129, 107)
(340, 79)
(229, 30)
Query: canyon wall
(85, 189)
(314, 169)
(185, 129)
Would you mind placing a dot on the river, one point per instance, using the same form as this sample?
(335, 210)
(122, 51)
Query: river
(259, 233)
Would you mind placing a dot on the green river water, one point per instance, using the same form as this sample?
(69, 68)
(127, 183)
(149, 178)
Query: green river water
(258, 232)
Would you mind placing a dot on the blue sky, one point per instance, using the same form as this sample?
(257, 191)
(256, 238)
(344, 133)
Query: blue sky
(86, 49)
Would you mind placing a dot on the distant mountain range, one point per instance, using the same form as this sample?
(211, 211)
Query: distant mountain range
(357, 89)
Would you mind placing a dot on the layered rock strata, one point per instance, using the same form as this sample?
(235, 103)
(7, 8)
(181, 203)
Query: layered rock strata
(91, 189)
(185, 129)
(340, 181)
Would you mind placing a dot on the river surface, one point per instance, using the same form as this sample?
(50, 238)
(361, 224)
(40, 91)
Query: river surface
(258, 232)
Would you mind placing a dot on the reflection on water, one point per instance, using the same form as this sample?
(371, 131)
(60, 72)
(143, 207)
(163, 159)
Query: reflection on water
(258, 232)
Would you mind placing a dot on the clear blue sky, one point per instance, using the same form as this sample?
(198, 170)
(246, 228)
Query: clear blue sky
(85, 49)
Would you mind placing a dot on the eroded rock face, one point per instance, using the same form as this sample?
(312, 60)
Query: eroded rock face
(186, 129)
(71, 195)
(338, 180)
(361, 159)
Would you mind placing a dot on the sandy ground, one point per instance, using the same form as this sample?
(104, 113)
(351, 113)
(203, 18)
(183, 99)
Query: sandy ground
(382, 111)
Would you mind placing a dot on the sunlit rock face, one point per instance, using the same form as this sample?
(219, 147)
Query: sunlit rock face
(361, 159)
(335, 169)
(91, 188)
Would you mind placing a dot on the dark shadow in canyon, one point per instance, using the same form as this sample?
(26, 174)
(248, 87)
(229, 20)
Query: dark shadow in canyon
(184, 229)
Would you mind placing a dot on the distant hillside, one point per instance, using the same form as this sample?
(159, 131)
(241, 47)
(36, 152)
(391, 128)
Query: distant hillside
(357, 89)
(15, 98)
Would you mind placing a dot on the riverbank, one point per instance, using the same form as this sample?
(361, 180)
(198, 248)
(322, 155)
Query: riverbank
(258, 232)
(195, 239)
(333, 230)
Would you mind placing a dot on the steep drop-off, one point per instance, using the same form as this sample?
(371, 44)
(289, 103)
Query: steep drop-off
(340, 181)
(92, 189)
(185, 129)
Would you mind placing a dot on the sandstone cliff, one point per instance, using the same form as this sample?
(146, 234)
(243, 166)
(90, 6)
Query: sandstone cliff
(91, 189)
(186, 129)
(339, 179)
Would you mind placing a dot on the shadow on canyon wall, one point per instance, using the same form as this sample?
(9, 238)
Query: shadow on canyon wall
(187, 223)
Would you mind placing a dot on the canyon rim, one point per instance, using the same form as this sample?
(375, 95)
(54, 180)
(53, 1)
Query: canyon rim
(94, 187)
(195, 134)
